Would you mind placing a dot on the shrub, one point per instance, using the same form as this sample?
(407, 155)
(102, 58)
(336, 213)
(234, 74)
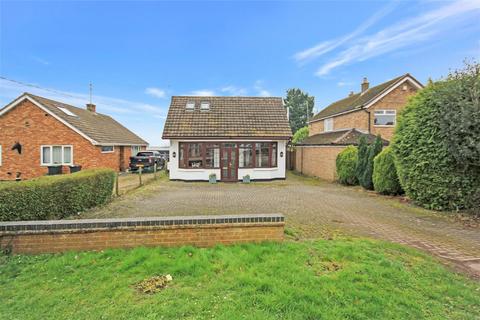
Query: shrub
(435, 169)
(362, 158)
(372, 151)
(300, 135)
(346, 165)
(385, 178)
(55, 197)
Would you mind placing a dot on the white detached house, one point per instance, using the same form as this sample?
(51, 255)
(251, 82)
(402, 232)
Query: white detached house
(230, 137)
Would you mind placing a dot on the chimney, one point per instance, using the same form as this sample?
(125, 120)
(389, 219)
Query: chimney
(91, 107)
(351, 93)
(365, 84)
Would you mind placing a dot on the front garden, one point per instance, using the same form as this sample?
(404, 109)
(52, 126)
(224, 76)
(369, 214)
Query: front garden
(326, 279)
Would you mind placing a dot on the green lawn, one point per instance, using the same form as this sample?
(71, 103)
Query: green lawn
(336, 279)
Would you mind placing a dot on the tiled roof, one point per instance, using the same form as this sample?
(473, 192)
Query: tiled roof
(227, 117)
(338, 138)
(99, 127)
(357, 100)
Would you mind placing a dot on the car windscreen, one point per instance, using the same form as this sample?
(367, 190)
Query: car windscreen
(144, 154)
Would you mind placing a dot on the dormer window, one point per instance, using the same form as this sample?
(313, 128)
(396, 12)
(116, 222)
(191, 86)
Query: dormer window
(190, 106)
(67, 112)
(205, 106)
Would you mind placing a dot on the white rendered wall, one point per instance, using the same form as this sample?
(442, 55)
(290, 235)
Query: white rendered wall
(177, 173)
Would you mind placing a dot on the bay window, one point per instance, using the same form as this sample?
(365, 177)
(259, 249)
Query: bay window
(56, 155)
(245, 155)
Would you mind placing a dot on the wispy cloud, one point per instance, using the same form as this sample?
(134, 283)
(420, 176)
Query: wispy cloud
(40, 60)
(11, 90)
(405, 33)
(234, 91)
(156, 92)
(344, 83)
(202, 93)
(327, 46)
(261, 91)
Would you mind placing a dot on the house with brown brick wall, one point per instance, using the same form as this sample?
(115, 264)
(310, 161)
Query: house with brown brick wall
(231, 137)
(37, 132)
(370, 112)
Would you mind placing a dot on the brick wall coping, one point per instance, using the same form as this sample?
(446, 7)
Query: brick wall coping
(122, 223)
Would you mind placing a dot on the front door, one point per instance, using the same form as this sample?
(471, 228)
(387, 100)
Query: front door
(229, 162)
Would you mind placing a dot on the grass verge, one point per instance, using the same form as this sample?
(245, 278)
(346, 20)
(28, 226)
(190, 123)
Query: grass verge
(339, 279)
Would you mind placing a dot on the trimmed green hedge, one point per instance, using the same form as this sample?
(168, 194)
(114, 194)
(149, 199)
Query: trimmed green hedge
(55, 197)
(385, 178)
(366, 180)
(346, 166)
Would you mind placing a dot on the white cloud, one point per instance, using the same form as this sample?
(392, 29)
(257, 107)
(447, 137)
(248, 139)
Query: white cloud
(10, 90)
(40, 60)
(261, 91)
(327, 46)
(344, 83)
(403, 34)
(234, 91)
(156, 92)
(202, 93)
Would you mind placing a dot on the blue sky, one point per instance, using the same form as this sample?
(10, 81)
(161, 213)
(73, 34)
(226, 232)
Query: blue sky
(139, 54)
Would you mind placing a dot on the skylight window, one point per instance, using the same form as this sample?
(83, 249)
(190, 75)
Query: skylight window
(205, 105)
(67, 112)
(190, 106)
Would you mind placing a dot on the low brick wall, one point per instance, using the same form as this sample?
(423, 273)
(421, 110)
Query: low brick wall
(98, 234)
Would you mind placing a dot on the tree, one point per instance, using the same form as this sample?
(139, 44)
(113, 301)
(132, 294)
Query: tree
(362, 158)
(300, 106)
(373, 150)
(346, 164)
(436, 143)
(300, 135)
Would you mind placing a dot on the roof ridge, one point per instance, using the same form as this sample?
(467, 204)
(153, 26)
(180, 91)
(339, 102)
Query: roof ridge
(343, 135)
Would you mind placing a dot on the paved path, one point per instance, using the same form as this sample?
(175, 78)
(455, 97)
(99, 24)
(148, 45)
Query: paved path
(313, 209)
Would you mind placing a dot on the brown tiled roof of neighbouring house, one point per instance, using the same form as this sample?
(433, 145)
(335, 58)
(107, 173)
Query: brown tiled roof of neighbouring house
(97, 127)
(359, 100)
(338, 138)
(227, 117)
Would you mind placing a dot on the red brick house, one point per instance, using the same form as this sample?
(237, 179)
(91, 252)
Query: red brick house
(372, 111)
(36, 133)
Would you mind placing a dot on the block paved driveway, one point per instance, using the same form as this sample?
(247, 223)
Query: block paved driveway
(313, 209)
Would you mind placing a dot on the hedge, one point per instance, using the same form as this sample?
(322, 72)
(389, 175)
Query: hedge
(55, 197)
(366, 180)
(346, 166)
(432, 170)
(385, 178)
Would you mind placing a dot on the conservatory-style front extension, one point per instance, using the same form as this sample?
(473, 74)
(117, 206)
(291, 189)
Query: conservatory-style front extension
(231, 137)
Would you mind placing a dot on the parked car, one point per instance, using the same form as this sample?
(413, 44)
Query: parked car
(147, 161)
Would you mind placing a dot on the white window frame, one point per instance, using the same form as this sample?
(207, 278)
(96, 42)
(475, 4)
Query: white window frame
(328, 125)
(43, 164)
(113, 149)
(133, 152)
(383, 112)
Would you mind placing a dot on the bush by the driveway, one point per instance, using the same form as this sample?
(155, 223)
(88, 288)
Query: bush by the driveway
(55, 197)
(373, 150)
(385, 178)
(436, 143)
(346, 165)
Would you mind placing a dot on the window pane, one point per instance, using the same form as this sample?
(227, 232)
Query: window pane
(57, 155)
(181, 155)
(107, 148)
(212, 156)
(46, 155)
(261, 153)
(67, 155)
(245, 157)
(384, 120)
(195, 158)
(274, 154)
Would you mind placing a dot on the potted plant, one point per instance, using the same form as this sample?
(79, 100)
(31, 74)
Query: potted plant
(246, 178)
(212, 178)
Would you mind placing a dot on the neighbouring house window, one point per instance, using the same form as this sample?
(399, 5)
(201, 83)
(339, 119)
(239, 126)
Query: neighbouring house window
(385, 117)
(195, 157)
(107, 149)
(328, 124)
(206, 155)
(57, 155)
(245, 155)
(135, 150)
(212, 155)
